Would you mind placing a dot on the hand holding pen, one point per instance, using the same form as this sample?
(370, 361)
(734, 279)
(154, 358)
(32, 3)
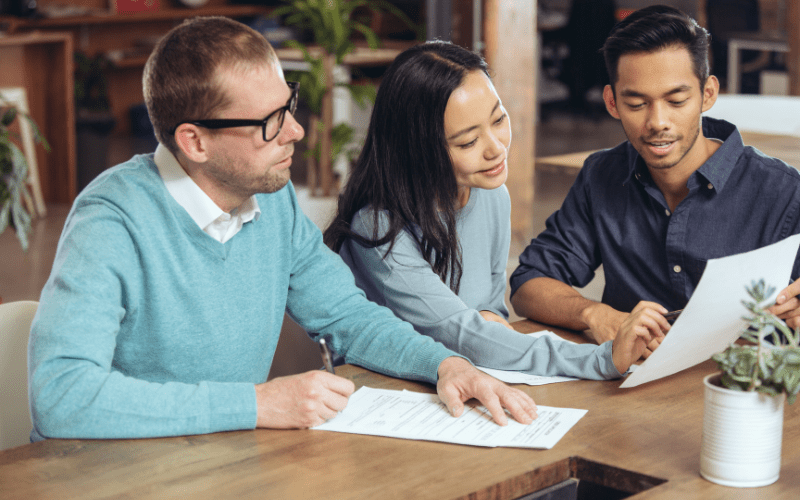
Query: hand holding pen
(303, 400)
(327, 358)
(673, 315)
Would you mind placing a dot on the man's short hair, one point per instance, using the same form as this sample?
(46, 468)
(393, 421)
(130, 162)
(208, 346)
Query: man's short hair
(655, 28)
(181, 79)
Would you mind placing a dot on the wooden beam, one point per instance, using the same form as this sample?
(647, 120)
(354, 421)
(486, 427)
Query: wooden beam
(510, 34)
(793, 33)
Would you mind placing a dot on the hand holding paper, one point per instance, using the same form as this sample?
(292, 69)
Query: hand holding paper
(787, 305)
(713, 317)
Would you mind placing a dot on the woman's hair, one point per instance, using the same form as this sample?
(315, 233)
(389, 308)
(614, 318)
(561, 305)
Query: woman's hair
(181, 77)
(404, 170)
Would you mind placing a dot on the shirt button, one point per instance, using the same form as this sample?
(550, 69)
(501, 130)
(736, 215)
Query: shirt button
(667, 212)
(677, 269)
(710, 186)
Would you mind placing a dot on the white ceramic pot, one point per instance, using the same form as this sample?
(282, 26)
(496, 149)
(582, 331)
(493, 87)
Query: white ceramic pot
(742, 436)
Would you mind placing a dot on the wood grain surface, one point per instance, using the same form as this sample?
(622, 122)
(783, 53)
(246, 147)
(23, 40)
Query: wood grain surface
(653, 431)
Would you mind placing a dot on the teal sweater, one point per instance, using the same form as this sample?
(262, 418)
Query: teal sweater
(404, 281)
(147, 326)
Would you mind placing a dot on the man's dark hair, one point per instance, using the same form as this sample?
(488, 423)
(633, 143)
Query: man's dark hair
(655, 28)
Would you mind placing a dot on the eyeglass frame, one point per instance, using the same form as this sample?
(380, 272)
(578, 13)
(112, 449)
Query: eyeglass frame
(218, 123)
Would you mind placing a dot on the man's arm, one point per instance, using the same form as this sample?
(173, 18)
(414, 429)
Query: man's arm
(301, 401)
(76, 389)
(555, 303)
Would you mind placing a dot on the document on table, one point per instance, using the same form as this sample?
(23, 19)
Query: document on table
(414, 415)
(512, 377)
(713, 318)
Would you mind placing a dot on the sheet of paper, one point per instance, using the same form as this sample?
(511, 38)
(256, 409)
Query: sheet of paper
(512, 377)
(413, 415)
(713, 317)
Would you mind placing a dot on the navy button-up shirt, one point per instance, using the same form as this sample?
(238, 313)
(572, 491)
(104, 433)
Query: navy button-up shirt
(615, 215)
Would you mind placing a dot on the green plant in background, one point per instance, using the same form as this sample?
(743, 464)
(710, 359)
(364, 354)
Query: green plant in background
(333, 24)
(14, 172)
(772, 364)
(313, 87)
(91, 83)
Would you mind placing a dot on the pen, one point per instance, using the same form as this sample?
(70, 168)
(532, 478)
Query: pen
(327, 359)
(673, 315)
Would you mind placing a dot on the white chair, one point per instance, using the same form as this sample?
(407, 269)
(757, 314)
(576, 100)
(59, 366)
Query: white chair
(15, 326)
(764, 114)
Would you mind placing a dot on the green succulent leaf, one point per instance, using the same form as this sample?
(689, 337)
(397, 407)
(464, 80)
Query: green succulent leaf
(772, 364)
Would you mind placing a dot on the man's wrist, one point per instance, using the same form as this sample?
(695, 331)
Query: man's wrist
(590, 313)
(452, 363)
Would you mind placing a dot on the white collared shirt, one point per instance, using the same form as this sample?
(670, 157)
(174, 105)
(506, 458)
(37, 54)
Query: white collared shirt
(218, 224)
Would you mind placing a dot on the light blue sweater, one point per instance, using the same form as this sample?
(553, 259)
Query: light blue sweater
(147, 326)
(405, 282)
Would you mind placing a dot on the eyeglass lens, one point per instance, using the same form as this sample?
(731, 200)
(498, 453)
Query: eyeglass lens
(274, 123)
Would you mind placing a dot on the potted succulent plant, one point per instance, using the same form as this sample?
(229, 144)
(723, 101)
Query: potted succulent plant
(14, 172)
(743, 416)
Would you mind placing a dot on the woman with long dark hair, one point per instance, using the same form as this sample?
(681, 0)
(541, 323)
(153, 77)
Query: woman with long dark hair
(424, 219)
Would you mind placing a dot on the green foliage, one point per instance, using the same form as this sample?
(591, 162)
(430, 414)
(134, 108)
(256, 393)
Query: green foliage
(772, 365)
(312, 82)
(14, 172)
(91, 83)
(333, 24)
(341, 139)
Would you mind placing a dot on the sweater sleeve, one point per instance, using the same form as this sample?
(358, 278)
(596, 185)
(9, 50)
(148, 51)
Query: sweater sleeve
(75, 389)
(406, 284)
(501, 238)
(325, 301)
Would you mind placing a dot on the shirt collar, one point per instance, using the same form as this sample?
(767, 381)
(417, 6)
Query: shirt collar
(191, 197)
(716, 169)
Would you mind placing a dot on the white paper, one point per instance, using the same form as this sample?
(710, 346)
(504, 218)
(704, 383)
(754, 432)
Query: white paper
(513, 377)
(413, 415)
(713, 317)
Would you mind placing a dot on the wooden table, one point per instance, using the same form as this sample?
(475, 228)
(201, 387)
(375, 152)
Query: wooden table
(784, 147)
(629, 439)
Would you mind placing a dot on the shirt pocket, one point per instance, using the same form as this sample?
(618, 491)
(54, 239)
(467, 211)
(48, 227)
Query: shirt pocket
(694, 269)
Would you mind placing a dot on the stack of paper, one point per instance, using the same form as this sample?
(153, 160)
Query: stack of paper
(412, 415)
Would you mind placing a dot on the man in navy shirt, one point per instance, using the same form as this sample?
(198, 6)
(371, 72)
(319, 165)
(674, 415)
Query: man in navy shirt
(681, 190)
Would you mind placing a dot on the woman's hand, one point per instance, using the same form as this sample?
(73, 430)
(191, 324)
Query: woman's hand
(490, 316)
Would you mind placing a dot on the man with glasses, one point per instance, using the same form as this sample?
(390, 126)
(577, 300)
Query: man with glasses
(174, 270)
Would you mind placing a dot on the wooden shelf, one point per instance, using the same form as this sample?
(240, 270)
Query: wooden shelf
(20, 24)
(41, 63)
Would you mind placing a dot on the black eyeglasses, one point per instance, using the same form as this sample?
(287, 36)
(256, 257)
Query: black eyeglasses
(270, 126)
